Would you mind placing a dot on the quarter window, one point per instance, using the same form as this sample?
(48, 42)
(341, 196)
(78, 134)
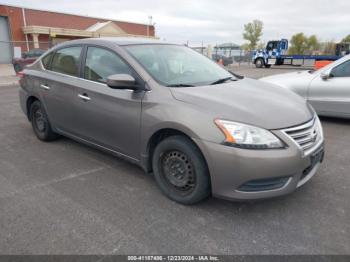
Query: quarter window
(46, 60)
(66, 61)
(101, 63)
(342, 70)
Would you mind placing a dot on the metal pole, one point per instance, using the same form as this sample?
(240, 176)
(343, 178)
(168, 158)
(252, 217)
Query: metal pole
(148, 25)
(25, 24)
(240, 57)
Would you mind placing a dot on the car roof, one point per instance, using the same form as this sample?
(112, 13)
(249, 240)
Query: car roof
(121, 41)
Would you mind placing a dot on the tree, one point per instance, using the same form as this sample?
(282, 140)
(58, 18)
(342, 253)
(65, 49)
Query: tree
(298, 44)
(313, 44)
(301, 44)
(261, 45)
(328, 47)
(346, 39)
(252, 33)
(245, 47)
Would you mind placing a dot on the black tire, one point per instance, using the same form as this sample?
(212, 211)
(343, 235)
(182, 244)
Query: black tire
(267, 66)
(40, 123)
(181, 171)
(17, 68)
(259, 63)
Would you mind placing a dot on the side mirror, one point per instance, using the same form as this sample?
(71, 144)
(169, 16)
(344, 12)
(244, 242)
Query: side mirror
(122, 81)
(325, 76)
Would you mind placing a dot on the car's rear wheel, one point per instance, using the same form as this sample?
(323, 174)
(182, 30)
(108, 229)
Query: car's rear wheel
(180, 170)
(40, 122)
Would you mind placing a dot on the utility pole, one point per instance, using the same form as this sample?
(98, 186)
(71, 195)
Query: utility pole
(149, 24)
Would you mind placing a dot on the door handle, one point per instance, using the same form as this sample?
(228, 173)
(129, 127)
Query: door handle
(45, 87)
(84, 97)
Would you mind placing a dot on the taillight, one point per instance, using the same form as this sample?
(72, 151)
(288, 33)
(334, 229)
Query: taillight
(20, 74)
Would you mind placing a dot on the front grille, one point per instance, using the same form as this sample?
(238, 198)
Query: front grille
(306, 136)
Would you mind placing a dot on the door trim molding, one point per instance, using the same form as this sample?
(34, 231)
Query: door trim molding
(88, 142)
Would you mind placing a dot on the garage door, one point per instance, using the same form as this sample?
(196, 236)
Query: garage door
(5, 46)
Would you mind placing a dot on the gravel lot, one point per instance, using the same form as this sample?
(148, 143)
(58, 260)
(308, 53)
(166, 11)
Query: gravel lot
(66, 198)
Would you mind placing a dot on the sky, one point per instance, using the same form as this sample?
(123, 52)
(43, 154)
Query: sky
(215, 21)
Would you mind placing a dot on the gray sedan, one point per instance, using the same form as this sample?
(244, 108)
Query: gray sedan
(327, 89)
(200, 129)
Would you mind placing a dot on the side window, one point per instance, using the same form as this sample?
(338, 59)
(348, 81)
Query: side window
(66, 60)
(101, 63)
(46, 60)
(342, 70)
(270, 46)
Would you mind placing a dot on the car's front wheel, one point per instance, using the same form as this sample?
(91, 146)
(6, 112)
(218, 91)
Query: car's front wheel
(180, 170)
(259, 63)
(40, 122)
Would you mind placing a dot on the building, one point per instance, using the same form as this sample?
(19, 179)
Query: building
(227, 49)
(22, 29)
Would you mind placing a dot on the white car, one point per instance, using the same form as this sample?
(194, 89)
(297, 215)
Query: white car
(327, 89)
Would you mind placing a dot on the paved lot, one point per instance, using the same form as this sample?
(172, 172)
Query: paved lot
(66, 198)
(7, 75)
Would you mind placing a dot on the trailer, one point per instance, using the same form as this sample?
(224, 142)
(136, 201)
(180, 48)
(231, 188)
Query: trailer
(275, 53)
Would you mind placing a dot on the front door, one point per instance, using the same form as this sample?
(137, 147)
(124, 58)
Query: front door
(332, 96)
(109, 117)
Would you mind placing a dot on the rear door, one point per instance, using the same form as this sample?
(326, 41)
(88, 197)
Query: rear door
(109, 117)
(59, 88)
(332, 96)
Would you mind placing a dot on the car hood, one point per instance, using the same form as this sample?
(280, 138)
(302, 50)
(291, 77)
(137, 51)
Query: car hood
(248, 101)
(288, 79)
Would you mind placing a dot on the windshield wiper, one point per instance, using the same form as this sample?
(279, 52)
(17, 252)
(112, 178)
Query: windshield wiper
(222, 80)
(180, 85)
(236, 75)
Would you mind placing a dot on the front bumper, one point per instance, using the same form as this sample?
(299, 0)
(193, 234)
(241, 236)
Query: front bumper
(242, 174)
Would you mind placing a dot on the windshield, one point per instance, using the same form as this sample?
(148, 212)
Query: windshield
(173, 65)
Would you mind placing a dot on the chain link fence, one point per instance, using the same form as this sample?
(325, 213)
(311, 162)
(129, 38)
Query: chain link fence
(21, 53)
(18, 48)
(229, 54)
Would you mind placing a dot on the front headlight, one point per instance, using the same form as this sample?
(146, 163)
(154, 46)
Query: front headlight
(246, 136)
(318, 129)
